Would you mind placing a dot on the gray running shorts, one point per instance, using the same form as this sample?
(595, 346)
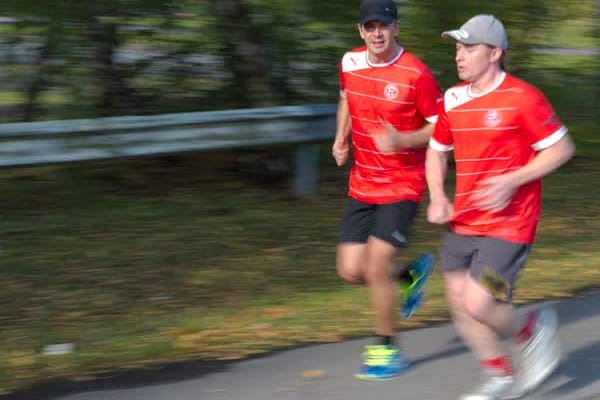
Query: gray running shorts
(495, 263)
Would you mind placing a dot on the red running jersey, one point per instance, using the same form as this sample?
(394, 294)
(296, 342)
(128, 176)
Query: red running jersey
(403, 93)
(494, 133)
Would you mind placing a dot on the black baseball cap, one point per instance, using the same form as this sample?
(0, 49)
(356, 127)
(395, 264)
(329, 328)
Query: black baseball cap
(378, 10)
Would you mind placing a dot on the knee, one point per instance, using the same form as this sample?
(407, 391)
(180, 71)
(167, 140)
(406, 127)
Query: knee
(478, 307)
(349, 273)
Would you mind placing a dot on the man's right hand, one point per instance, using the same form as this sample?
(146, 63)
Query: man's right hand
(340, 152)
(440, 211)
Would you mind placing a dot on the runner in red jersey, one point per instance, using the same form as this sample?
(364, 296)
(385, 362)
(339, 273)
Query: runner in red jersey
(388, 102)
(403, 93)
(505, 137)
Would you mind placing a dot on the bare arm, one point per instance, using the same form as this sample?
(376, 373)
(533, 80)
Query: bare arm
(392, 140)
(440, 208)
(418, 138)
(341, 145)
(497, 191)
(545, 162)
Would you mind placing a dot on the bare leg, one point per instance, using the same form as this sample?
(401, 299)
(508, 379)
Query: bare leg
(462, 294)
(381, 286)
(370, 263)
(351, 262)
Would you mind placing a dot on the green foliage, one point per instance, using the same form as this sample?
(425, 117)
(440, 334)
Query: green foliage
(167, 56)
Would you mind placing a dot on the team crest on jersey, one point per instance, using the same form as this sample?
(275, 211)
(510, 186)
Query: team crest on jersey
(492, 118)
(391, 91)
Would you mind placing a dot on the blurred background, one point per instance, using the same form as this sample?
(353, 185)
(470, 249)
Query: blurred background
(128, 263)
(96, 58)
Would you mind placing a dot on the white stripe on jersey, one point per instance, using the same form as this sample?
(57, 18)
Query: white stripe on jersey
(438, 146)
(380, 80)
(375, 180)
(550, 140)
(386, 169)
(486, 128)
(481, 159)
(489, 171)
(372, 168)
(379, 98)
(407, 68)
(432, 120)
(403, 151)
(485, 222)
(486, 109)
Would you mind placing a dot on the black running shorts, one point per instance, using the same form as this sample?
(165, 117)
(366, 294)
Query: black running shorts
(388, 222)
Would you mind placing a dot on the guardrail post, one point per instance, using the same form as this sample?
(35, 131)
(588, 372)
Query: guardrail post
(306, 169)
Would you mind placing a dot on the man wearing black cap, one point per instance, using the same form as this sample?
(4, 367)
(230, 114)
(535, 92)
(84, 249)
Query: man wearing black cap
(388, 104)
(505, 137)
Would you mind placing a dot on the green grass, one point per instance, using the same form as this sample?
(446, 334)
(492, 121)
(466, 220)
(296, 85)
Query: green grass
(147, 261)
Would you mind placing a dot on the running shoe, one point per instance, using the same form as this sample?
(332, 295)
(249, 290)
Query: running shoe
(382, 362)
(492, 387)
(538, 357)
(420, 270)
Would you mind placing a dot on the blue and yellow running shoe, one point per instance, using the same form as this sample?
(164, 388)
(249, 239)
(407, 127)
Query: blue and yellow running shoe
(382, 362)
(420, 270)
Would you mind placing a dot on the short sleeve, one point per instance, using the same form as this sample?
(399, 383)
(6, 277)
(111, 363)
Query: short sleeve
(442, 139)
(428, 96)
(540, 122)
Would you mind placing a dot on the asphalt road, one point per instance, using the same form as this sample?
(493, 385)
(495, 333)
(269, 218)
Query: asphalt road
(442, 370)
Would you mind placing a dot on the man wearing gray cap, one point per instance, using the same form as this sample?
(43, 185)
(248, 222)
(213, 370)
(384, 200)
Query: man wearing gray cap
(387, 106)
(505, 137)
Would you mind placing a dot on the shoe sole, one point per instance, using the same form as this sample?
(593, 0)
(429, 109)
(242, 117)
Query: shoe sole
(372, 378)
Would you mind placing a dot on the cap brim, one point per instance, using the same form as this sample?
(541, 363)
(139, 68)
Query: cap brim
(459, 36)
(377, 17)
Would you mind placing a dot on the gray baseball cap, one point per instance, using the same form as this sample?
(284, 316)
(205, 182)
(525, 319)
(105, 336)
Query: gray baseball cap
(481, 29)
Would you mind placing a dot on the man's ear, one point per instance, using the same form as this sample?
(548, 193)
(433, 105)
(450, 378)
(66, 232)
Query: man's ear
(360, 32)
(497, 54)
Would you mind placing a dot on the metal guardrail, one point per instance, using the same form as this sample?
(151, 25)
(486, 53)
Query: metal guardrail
(130, 136)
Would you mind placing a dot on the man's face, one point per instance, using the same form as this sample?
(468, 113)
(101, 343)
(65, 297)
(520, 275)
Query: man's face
(473, 60)
(380, 39)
